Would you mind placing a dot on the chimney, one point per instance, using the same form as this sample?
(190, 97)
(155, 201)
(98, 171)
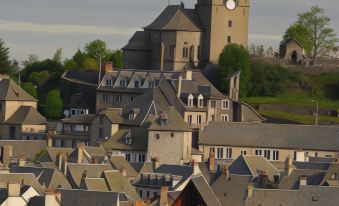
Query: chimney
(156, 163)
(211, 161)
(264, 178)
(301, 157)
(80, 153)
(250, 189)
(289, 167)
(139, 203)
(163, 196)
(14, 189)
(179, 86)
(108, 66)
(123, 172)
(59, 161)
(226, 172)
(303, 180)
(162, 60)
(6, 154)
(64, 164)
(196, 169)
(4, 169)
(189, 74)
(52, 198)
(22, 160)
(49, 141)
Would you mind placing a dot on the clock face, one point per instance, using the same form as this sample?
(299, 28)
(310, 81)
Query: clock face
(230, 4)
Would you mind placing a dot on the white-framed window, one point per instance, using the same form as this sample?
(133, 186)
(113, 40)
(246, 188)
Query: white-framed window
(220, 153)
(119, 98)
(108, 82)
(275, 155)
(200, 101)
(212, 117)
(190, 100)
(243, 152)
(258, 152)
(213, 103)
(267, 154)
(199, 119)
(137, 84)
(190, 118)
(228, 153)
(224, 118)
(104, 98)
(128, 157)
(225, 104)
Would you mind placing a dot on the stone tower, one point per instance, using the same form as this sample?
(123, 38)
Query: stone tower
(224, 21)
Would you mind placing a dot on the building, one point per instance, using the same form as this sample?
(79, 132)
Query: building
(19, 118)
(184, 38)
(275, 142)
(292, 52)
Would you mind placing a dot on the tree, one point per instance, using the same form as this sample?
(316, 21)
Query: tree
(53, 105)
(232, 59)
(30, 88)
(32, 58)
(58, 55)
(313, 31)
(97, 49)
(70, 64)
(270, 52)
(39, 78)
(90, 64)
(116, 58)
(4, 56)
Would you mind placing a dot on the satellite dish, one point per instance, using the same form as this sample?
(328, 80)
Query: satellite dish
(230, 4)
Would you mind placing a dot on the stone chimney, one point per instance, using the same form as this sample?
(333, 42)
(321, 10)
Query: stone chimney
(264, 178)
(49, 141)
(156, 163)
(80, 153)
(303, 181)
(189, 74)
(211, 161)
(301, 156)
(138, 203)
(52, 198)
(289, 167)
(179, 86)
(163, 196)
(250, 189)
(196, 169)
(22, 160)
(6, 154)
(14, 189)
(226, 172)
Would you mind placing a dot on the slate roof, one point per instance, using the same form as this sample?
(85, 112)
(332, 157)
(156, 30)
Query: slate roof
(113, 116)
(137, 42)
(176, 17)
(25, 178)
(205, 190)
(88, 198)
(328, 180)
(10, 91)
(27, 115)
(25, 147)
(292, 181)
(95, 184)
(119, 163)
(321, 138)
(89, 78)
(80, 119)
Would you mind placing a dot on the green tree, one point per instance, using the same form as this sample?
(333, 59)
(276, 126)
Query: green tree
(116, 58)
(53, 105)
(313, 31)
(90, 64)
(58, 55)
(30, 88)
(232, 59)
(70, 64)
(32, 58)
(39, 78)
(97, 49)
(4, 57)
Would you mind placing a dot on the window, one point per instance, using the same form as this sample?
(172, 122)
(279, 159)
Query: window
(190, 117)
(172, 51)
(62, 143)
(73, 112)
(267, 154)
(230, 23)
(229, 39)
(141, 158)
(151, 84)
(225, 104)
(131, 98)
(73, 144)
(220, 153)
(101, 132)
(243, 152)
(224, 118)
(104, 98)
(119, 98)
(213, 104)
(140, 193)
(108, 82)
(172, 134)
(102, 120)
(295, 155)
(229, 153)
(200, 101)
(136, 84)
(128, 140)
(258, 152)
(275, 154)
(72, 127)
(213, 117)
(199, 53)
(190, 100)
(199, 119)
(123, 82)
(147, 193)
(12, 132)
(0, 107)
(185, 52)
(155, 194)
(128, 157)
(157, 136)
(334, 176)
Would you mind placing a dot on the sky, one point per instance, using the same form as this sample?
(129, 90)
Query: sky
(42, 26)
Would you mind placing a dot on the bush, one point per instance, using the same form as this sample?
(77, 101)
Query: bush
(53, 105)
(30, 88)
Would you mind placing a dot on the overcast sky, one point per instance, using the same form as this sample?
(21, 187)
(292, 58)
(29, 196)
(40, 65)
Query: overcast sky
(41, 26)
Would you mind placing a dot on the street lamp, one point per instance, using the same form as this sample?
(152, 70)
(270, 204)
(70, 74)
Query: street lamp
(316, 112)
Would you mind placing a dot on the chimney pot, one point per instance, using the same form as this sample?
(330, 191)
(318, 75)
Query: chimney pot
(22, 160)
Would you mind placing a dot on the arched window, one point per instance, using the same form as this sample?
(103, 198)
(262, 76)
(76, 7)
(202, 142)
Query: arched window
(190, 100)
(200, 101)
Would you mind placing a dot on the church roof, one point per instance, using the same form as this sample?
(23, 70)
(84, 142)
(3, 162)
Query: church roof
(176, 17)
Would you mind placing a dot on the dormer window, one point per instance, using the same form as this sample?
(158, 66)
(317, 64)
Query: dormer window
(163, 119)
(137, 84)
(200, 101)
(190, 100)
(128, 138)
(133, 114)
(108, 82)
(151, 84)
(123, 82)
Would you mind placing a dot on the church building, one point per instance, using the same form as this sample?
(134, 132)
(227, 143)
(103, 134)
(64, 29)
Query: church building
(181, 38)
